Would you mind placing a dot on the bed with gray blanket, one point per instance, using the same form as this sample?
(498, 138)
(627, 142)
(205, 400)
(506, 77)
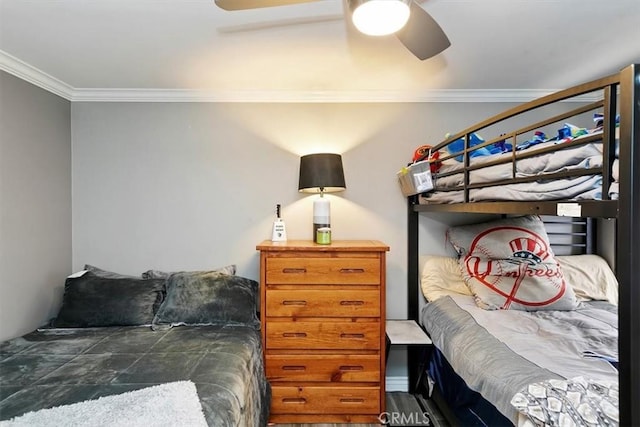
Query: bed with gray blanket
(499, 353)
(55, 367)
(523, 334)
(118, 334)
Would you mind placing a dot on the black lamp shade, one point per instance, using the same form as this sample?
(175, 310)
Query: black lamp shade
(321, 173)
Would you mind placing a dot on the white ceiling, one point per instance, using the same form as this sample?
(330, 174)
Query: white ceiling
(132, 49)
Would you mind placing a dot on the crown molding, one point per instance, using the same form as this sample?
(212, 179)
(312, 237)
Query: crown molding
(177, 95)
(31, 74)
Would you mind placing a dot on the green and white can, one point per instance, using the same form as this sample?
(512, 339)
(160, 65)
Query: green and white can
(323, 236)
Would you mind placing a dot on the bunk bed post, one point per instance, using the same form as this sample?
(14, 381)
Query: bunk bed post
(628, 247)
(608, 138)
(592, 235)
(413, 356)
(412, 261)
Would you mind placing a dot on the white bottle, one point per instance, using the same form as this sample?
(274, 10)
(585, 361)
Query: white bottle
(279, 232)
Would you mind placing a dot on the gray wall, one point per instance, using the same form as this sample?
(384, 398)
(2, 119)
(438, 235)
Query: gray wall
(194, 185)
(35, 204)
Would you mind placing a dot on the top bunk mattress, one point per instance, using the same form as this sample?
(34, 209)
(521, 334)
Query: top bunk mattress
(573, 157)
(579, 155)
(574, 164)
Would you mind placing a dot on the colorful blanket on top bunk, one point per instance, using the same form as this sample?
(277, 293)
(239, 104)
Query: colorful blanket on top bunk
(577, 156)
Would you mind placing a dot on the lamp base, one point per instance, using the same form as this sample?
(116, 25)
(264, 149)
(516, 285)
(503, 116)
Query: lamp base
(321, 215)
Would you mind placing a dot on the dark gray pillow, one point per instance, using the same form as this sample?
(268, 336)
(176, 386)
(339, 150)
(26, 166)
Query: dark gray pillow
(209, 299)
(157, 274)
(105, 273)
(93, 301)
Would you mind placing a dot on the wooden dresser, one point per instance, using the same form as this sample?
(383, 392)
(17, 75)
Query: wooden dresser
(322, 309)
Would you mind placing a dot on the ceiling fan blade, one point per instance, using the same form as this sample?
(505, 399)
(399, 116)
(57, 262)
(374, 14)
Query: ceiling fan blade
(255, 4)
(422, 35)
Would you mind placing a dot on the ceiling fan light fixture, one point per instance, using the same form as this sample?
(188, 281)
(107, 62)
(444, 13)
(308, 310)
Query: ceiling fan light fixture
(379, 17)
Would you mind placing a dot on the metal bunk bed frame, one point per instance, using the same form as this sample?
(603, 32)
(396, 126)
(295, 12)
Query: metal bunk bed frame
(625, 210)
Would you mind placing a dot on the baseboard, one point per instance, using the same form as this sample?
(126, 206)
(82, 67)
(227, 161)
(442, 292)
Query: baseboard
(397, 384)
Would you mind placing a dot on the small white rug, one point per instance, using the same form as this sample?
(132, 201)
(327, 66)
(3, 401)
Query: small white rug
(170, 405)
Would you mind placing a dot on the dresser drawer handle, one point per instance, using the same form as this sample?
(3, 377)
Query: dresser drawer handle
(352, 270)
(294, 302)
(294, 400)
(351, 335)
(351, 302)
(294, 334)
(351, 400)
(294, 270)
(294, 368)
(351, 368)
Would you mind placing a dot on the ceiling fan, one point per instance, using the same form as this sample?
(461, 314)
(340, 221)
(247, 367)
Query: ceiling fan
(418, 31)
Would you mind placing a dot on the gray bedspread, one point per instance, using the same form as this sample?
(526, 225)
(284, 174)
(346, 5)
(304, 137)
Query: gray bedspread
(587, 187)
(56, 367)
(498, 353)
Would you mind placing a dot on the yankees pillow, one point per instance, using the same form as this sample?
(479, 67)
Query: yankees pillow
(508, 264)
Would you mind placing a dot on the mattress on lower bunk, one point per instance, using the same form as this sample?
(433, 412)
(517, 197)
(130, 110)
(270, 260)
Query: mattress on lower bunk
(500, 353)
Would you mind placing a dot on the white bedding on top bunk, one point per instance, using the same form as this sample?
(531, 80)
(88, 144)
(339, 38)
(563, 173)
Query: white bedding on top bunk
(587, 187)
(614, 187)
(578, 157)
(575, 158)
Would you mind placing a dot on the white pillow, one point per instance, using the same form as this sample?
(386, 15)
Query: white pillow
(590, 277)
(441, 277)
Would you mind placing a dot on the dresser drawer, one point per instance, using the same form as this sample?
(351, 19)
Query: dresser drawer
(323, 303)
(327, 368)
(325, 400)
(325, 271)
(323, 335)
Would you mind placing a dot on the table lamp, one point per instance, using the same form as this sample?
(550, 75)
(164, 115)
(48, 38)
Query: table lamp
(321, 173)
